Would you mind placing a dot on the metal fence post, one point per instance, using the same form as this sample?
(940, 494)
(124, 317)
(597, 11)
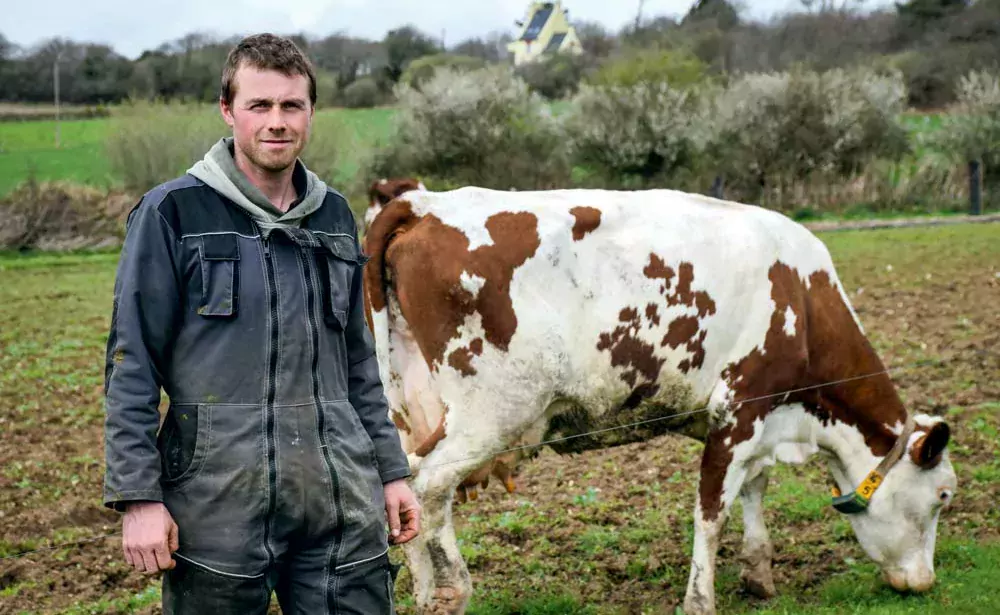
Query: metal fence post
(975, 187)
(717, 188)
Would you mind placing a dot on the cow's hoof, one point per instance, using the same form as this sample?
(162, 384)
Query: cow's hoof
(759, 583)
(698, 607)
(446, 601)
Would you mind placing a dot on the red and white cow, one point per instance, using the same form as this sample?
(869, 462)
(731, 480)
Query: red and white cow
(505, 318)
(384, 190)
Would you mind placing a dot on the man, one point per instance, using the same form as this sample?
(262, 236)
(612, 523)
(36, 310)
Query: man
(239, 293)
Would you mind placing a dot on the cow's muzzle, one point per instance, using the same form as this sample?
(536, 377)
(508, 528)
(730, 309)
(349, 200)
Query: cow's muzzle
(916, 580)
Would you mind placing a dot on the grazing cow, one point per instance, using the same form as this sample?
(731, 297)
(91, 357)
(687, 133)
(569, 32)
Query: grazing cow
(515, 318)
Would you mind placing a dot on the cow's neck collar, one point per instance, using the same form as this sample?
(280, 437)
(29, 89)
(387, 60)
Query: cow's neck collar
(857, 501)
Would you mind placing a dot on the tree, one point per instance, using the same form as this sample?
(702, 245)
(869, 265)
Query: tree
(404, 45)
(722, 13)
(348, 58)
(595, 39)
(917, 17)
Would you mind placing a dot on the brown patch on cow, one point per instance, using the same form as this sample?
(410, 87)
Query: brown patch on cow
(628, 351)
(696, 347)
(461, 361)
(683, 295)
(400, 422)
(587, 220)
(431, 442)
(832, 349)
(426, 260)
(476, 346)
(657, 270)
(653, 315)
(681, 331)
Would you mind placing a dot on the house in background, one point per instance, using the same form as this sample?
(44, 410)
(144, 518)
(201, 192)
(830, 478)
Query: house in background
(545, 32)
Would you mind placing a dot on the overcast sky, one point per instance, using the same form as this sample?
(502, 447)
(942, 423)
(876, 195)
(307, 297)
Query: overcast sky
(131, 26)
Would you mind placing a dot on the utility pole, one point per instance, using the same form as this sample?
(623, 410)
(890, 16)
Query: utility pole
(55, 82)
(638, 15)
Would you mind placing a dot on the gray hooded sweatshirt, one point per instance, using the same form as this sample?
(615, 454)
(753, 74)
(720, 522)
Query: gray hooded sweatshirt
(251, 320)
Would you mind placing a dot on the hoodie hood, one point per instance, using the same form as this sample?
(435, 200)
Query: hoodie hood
(219, 171)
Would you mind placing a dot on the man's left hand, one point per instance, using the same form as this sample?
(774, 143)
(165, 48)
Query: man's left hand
(403, 511)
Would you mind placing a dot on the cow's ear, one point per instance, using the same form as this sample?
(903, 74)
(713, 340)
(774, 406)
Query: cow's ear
(926, 451)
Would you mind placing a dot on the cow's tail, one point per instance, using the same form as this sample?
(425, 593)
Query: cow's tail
(391, 222)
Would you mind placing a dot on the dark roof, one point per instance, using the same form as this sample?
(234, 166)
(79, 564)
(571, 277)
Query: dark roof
(538, 22)
(557, 40)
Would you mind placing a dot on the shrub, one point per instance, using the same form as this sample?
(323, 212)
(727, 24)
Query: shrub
(423, 69)
(363, 93)
(772, 129)
(153, 142)
(638, 134)
(554, 77)
(679, 68)
(972, 130)
(482, 127)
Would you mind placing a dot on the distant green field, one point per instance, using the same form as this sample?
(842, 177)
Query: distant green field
(29, 147)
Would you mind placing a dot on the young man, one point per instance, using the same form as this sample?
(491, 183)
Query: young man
(239, 293)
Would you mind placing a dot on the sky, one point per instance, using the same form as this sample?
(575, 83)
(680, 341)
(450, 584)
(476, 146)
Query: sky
(131, 26)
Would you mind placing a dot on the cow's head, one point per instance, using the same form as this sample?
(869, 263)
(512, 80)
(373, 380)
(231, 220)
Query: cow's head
(898, 528)
(385, 190)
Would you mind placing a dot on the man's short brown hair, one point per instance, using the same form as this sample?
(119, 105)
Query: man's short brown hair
(266, 52)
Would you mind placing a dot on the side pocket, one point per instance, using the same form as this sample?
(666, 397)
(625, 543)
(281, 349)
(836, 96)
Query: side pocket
(337, 260)
(183, 441)
(220, 275)
(365, 588)
(391, 571)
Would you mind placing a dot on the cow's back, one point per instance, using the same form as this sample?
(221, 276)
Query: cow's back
(601, 299)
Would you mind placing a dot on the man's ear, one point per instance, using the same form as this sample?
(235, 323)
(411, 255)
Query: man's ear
(926, 451)
(227, 112)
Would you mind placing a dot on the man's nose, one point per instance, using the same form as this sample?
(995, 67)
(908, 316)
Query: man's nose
(276, 120)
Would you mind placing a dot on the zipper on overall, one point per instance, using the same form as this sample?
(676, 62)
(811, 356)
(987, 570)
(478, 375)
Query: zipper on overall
(272, 386)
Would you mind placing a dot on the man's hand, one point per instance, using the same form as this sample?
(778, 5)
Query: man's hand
(403, 511)
(149, 536)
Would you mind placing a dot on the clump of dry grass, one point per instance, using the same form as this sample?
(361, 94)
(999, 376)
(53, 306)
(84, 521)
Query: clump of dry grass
(62, 216)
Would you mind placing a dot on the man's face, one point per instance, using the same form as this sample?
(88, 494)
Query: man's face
(270, 116)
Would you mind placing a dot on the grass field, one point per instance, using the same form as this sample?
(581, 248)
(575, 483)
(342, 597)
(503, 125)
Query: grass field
(29, 147)
(602, 532)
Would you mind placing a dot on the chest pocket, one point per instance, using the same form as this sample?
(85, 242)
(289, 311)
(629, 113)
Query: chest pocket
(338, 259)
(219, 256)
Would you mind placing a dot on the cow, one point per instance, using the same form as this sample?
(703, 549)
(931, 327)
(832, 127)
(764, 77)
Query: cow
(509, 319)
(384, 190)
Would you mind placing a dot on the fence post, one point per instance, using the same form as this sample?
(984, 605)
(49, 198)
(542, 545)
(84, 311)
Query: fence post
(975, 187)
(717, 188)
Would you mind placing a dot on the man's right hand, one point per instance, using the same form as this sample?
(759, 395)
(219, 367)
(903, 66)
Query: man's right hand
(149, 536)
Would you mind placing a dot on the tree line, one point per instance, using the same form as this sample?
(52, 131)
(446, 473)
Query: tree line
(932, 42)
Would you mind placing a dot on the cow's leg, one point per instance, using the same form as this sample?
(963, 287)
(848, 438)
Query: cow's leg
(757, 548)
(723, 471)
(441, 581)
